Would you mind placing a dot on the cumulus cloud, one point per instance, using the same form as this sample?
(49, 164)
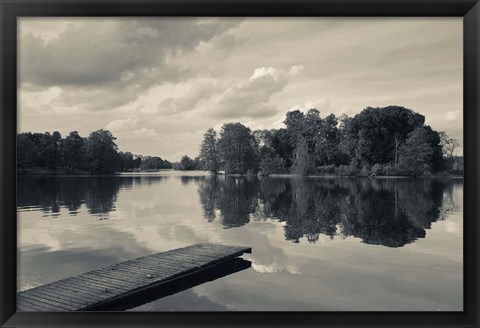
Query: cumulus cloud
(129, 129)
(122, 125)
(109, 62)
(192, 96)
(144, 132)
(260, 268)
(252, 98)
(453, 115)
(321, 104)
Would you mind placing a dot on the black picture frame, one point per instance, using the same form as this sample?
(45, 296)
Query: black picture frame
(10, 10)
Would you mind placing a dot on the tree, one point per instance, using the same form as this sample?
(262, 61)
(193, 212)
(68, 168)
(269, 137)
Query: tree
(294, 121)
(186, 163)
(237, 149)
(209, 151)
(197, 163)
(377, 133)
(302, 163)
(26, 151)
(449, 145)
(101, 152)
(282, 146)
(421, 153)
(73, 151)
(125, 161)
(48, 149)
(153, 163)
(272, 165)
(346, 140)
(270, 160)
(312, 129)
(137, 162)
(327, 142)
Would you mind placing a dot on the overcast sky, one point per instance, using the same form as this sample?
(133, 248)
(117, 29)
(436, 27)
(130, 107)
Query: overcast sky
(159, 83)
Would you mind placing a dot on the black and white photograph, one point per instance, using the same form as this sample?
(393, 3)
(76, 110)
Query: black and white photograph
(240, 164)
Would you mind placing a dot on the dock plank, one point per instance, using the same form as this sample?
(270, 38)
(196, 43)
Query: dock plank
(122, 280)
(61, 296)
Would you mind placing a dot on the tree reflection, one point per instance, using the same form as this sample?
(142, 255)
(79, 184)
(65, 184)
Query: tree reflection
(234, 197)
(51, 194)
(388, 212)
(101, 195)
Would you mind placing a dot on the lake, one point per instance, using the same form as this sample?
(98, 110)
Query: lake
(319, 244)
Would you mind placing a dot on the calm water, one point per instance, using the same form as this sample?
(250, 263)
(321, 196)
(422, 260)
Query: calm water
(319, 244)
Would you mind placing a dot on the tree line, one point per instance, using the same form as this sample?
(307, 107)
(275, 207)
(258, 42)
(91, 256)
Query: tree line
(95, 154)
(390, 140)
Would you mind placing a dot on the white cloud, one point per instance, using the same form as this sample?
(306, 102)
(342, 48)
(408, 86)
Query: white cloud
(272, 268)
(105, 63)
(321, 104)
(295, 69)
(252, 98)
(453, 115)
(144, 132)
(122, 126)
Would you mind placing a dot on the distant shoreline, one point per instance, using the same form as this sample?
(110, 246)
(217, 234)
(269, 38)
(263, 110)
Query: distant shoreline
(64, 173)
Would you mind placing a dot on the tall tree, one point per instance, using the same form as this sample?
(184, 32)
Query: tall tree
(421, 153)
(27, 154)
(380, 131)
(48, 152)
(282, 146)
(237, 148)
(302, 163)
(449, 145)
(209, 151)
(73, 151)
(327, 142)
(102, 152)
(186, 163)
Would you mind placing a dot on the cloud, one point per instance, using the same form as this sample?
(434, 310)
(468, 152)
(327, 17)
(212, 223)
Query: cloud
(122, 125)
(321, 104)
(222, 46)
(192, 96)
(128, 129)
(106, 63)
(144, 132)
(252, 98)
(453, 115)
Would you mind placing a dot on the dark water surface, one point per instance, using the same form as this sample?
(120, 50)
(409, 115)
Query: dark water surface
(320, 244)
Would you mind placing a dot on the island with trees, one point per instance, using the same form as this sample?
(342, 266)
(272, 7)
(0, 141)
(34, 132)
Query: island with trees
(386, 141)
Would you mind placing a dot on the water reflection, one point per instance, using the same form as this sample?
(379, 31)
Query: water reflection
(98, 194)
(388, 212)
(156, 212)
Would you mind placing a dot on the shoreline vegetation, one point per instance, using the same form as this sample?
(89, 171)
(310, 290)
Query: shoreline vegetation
(387, 142)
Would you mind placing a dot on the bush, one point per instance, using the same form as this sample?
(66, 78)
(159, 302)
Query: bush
(274, 165)
(377, 169)
(327, 170)
(365, 171)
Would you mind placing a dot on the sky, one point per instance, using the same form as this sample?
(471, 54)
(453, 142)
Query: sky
(159, 83)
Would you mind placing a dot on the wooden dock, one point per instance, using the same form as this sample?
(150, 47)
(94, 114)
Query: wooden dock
(99, 288)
